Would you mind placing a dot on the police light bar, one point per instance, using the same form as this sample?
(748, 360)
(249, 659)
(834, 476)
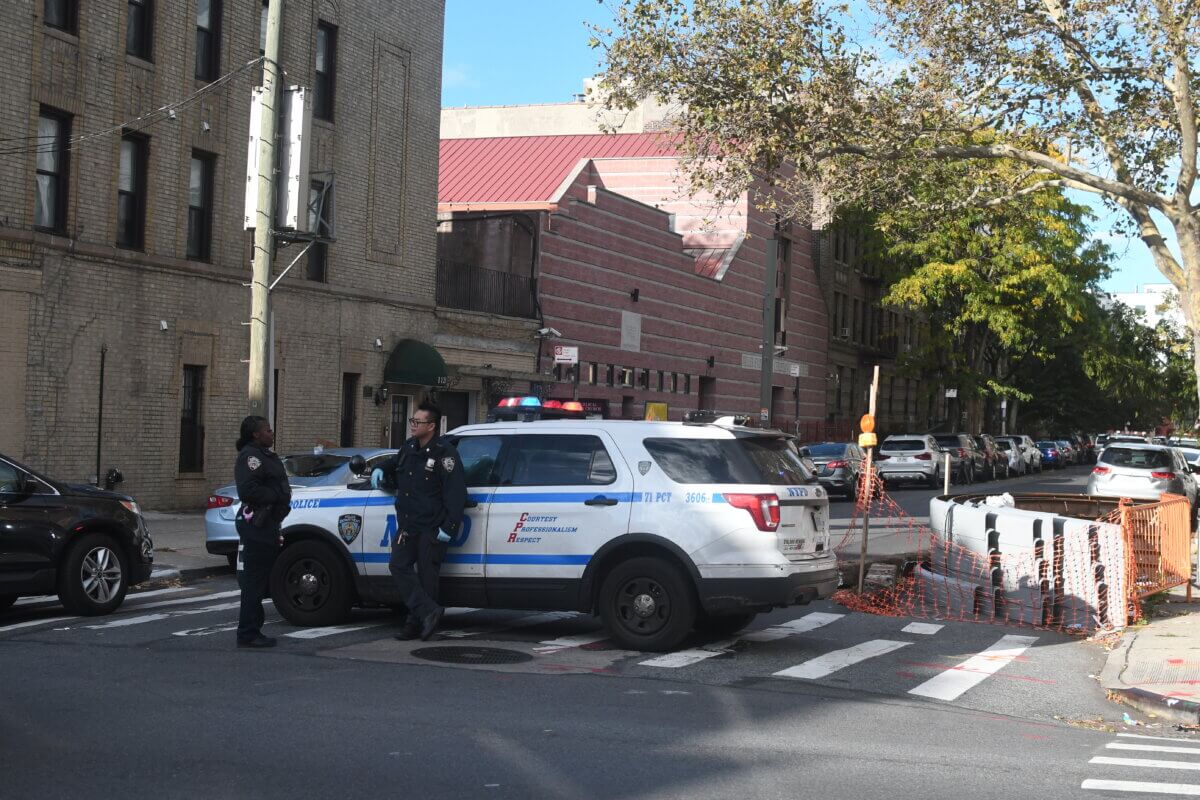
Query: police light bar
(529, 401)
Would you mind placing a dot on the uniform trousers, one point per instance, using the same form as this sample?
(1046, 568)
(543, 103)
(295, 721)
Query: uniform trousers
(415, 564)
(259, 551)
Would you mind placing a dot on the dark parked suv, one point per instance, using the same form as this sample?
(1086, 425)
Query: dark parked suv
(84, 544)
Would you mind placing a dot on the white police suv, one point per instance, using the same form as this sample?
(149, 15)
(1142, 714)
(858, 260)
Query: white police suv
(659, 527)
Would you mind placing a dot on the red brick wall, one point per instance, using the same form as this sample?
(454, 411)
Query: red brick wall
(593, 254)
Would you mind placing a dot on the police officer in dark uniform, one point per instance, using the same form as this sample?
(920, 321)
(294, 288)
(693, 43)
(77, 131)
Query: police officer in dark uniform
(431, 493)
(262, 486)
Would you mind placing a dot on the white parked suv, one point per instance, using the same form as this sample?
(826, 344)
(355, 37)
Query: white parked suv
(659, 527)
(913, 457)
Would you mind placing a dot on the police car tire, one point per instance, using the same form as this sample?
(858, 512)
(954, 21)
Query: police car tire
(71, 591)
(724, 624)
(666, 585)
(332, 600)
(7, 600)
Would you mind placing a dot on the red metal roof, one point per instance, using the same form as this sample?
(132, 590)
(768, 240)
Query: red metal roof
(516, 169)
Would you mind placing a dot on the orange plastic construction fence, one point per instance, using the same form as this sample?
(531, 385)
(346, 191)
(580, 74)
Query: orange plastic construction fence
(992, 563)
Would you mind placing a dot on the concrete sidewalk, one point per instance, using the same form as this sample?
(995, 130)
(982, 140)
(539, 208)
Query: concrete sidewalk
(1156, 667)
(179, 546)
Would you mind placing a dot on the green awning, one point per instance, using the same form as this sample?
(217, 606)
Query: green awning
(415, 362)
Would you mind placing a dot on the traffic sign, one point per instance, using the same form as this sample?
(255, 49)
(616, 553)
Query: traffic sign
(566, 355)
(867, 424)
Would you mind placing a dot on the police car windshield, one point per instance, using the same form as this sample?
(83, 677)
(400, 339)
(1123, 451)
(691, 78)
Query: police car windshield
(746, 459)
(309, 465)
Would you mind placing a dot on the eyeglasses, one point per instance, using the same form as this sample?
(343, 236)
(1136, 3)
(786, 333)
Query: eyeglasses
(415, 421)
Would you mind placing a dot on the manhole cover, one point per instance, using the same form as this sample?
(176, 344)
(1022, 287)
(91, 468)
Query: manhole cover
(471, 655)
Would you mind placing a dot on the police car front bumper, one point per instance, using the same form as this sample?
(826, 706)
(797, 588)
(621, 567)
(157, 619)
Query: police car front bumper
(800, 586)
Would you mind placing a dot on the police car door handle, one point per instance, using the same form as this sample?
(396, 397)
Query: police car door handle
(601, 500)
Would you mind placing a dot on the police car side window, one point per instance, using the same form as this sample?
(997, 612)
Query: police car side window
(558, 460)
(479, 455)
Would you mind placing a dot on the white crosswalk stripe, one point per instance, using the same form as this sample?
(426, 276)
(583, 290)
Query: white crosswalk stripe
(520, 622)
(320, 633)
(685, 658)
(952, 683)
(1143, 787)
(567, 642)
(143, 619)
(924, 628)
(809, 622)
(830, 663)
(33, 622)
(1145, 775)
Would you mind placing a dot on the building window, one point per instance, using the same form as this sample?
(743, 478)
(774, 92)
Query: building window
(200, 206)
(674, 382)
(61, 14)
(608, 375)
(326, 70)
(208, 38)
(349, 405)
(687, 384)
(191, 424)
(320, 214)
(660, 380)
(262, 30)
(131, 192)
(139, 24)
(50, 200)
(593, 373)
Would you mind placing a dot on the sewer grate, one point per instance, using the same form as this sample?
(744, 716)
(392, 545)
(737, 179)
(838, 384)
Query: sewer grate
(471, 655)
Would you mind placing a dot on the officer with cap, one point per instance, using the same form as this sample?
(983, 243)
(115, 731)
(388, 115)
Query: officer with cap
(431, 494)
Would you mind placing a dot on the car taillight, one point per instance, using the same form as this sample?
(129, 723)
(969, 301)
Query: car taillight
(923, 457)
(837, 464)
(763, 507)
(1100, 470)
(219, 501)
(1162, 476)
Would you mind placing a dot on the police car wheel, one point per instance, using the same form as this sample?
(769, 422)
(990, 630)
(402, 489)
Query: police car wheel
(647, 604)
(310, 586)
(93, 579)
(724, 624)
(7, 600)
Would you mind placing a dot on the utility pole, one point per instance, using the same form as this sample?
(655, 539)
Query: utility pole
(768, 337)
(260, 297)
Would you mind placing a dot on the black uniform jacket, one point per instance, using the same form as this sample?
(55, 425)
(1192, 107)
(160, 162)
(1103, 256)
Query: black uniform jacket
(262, 486)
(431, 486)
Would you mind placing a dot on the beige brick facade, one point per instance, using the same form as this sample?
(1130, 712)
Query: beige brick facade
(66, 296)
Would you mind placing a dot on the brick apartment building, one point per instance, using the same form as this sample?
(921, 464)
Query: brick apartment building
(661, 293)
(125, 154)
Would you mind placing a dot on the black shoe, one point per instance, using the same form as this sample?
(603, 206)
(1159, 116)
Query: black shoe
(257, 641)
(430, 624)
(407, 635)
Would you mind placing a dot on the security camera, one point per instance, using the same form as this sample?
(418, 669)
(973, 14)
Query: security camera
(549, 333)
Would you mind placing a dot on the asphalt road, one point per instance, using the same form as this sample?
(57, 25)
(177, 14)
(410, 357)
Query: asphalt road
(154, 701)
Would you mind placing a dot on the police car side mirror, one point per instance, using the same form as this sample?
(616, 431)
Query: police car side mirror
(358, 465)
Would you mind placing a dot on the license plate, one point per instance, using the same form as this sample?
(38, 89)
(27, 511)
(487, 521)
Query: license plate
(903, 459)
(794, 545)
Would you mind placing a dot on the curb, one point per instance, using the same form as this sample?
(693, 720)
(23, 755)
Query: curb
(1174, 709)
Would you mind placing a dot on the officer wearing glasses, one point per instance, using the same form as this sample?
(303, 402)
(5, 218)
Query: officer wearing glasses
(431, 493)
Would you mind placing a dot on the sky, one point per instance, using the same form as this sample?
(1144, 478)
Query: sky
(516, 52)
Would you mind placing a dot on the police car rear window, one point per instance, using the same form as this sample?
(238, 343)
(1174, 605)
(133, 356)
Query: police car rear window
(746, 459)
(313, 466)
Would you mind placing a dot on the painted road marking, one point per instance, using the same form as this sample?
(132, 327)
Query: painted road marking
(809, 622)
(1153, 763)
(1149, 738)
(949, 685)
(567, 642)
(1189, 789)
(51, 600)
(33, 622)
(317, 633)
(830, 663)
(685, 658)
(1152, 748)
(927, 628)
(128, 621)
(520, 622)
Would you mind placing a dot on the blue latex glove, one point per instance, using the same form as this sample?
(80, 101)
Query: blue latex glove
(376, 478)
(443, 537)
